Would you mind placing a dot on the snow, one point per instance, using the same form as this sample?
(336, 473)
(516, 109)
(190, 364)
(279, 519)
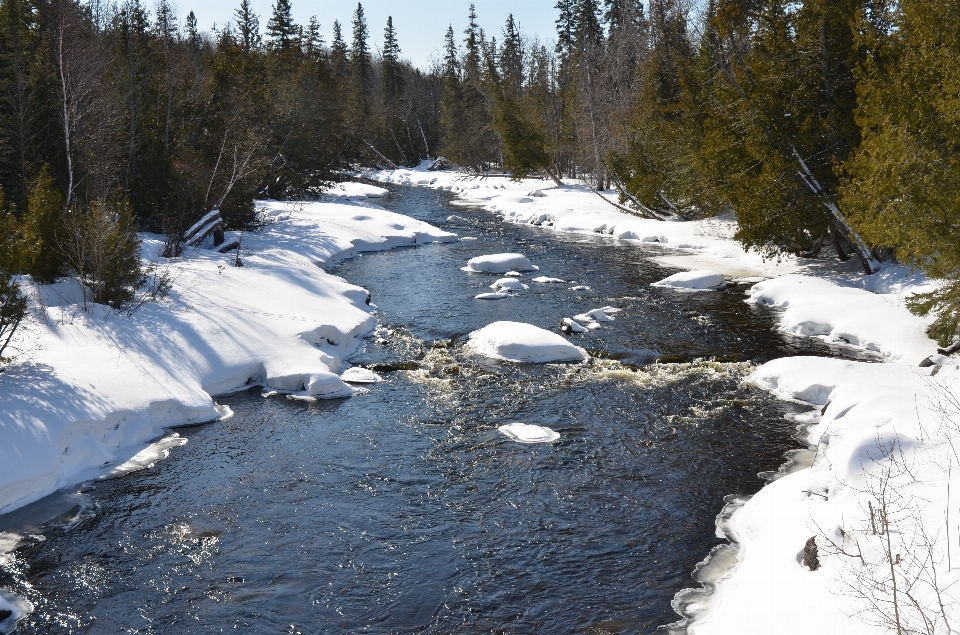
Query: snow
(508, 284)
(691, 281)
(90, 390)
(547, 280)
(497, 295)
(575, 327)
(360, 376)
(499, 263)
(526, 433)
(863, 420)
(521, 342)
(597, 315)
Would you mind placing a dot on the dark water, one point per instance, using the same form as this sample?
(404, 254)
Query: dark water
(405, 510)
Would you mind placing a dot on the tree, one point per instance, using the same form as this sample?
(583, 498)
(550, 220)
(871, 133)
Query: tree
(248, 25)
(361, 69)
(193, 34)
(281, 29)
(392, 72)
(902, 185)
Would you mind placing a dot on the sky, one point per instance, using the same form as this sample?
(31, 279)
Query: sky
(420, 24)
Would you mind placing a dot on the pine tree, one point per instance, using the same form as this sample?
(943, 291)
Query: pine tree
(281, 29)
(193, 34)
(512, 56)
(248, 26)
(313, 40)
(392, 73)
(339, 53)
(361, 69)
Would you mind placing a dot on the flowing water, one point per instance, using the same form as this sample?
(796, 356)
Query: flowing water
(405, 510)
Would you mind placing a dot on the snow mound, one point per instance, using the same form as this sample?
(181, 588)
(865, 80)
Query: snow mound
(360, 376)
(454, 217)
(468, 238)
(508, 284)
(580, 287)
(526, 433)
(498, 295)
(499, 263)
(692, 281)
(547, 280)
(520, 342)
(597, 315)
(574, 326)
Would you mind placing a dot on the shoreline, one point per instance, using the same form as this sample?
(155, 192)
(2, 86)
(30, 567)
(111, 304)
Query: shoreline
(90, 390)
(864, 421)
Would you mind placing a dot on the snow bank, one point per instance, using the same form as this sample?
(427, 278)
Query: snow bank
(520, 342)
(691, 281)
(847, 315)
(499, 263)
(90, 390)
(526, 433)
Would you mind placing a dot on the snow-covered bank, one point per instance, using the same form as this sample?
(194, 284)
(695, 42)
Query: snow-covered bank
(873, 493)
(90, 389)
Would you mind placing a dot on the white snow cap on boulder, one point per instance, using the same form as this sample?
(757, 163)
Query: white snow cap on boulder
(520, 342)
(360, 376)
(500, 263)
(508, 284)
(526, 433)
(692, 281)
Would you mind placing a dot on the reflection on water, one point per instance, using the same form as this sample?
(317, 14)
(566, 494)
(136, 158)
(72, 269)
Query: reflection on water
(405, 510)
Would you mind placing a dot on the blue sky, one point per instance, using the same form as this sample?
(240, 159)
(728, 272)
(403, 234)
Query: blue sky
(420, 24)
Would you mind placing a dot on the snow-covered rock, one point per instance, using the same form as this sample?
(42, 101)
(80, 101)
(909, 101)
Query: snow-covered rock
(499, 263)
(359, 375)
(692, 281)
(548, 280)
(508, 284)
(496, 295)
(521, 342)
(572, 325)
(597, 315)
(526, 433)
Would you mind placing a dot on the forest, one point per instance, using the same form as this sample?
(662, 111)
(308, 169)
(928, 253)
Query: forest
(818, 124)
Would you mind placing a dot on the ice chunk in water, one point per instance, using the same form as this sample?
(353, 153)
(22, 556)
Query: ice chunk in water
(526, 433)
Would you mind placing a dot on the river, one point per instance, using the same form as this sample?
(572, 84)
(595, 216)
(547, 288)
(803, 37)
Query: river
(405, 510)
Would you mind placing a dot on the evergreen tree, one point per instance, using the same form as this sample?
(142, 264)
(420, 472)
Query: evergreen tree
(512, 56)
(903, 181)
(281, 29)
(313, 40)
(361, 69)
(193, 34)
(339, 53)
(248, 25)
(392, 72)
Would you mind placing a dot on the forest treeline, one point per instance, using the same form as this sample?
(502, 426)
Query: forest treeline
(818, 123)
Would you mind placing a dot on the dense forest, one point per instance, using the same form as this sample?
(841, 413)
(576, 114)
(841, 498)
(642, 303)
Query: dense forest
(816, 123)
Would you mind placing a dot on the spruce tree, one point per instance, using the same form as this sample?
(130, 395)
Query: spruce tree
(339, 53)
(361, 69)
(281, 29)
(248, 26)
(193, 33)
(392, 72)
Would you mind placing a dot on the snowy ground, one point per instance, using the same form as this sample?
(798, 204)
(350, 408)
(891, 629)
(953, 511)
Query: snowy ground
(874, 491)
(90, 390)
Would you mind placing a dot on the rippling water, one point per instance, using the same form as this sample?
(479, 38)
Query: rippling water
(405, 510)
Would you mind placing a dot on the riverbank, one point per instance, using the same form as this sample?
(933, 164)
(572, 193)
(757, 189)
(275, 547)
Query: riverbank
(876, 498)
(89, 390)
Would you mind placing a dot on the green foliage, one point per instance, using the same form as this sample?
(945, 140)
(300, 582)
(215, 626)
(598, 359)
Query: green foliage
(103, 250)
(13, 304)
(903, 184)
(42, 229)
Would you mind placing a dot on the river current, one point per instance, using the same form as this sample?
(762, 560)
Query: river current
(405, 510)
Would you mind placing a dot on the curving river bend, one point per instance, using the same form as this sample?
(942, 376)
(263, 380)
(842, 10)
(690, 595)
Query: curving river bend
(405, 510)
